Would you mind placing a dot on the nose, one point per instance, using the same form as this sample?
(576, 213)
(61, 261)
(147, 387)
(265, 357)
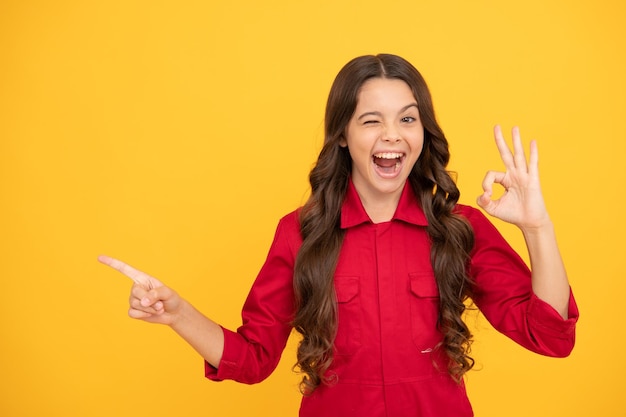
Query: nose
(391, 134)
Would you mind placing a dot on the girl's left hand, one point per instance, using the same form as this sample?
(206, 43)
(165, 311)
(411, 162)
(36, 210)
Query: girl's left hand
(522, 202)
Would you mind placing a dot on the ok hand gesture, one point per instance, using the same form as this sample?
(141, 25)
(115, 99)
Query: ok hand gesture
(522, 202)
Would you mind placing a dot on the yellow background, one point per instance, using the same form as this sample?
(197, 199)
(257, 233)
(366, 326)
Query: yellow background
(175, 134)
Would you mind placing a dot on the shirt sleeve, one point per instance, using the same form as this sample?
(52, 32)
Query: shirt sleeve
(503, 293)
(253, 351)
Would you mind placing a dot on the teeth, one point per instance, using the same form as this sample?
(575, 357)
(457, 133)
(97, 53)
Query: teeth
(388, 155)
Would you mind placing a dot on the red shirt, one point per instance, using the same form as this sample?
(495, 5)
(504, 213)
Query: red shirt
(388, 308)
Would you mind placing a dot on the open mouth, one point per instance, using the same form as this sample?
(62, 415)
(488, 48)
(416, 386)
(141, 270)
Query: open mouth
(388, 162)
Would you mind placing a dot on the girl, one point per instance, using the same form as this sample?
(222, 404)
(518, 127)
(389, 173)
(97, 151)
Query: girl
(375, 269)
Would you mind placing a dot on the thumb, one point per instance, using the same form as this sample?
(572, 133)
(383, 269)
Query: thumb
(161, 298)
(485, 202)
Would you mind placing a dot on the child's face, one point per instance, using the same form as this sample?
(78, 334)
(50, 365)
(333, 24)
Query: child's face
(384, 137)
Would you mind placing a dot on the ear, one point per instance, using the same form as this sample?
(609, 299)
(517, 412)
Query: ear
(343, 142)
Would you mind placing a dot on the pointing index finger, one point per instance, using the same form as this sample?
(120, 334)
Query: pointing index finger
(136, 275)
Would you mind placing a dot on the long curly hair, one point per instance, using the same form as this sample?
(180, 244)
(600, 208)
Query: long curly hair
(451, 236)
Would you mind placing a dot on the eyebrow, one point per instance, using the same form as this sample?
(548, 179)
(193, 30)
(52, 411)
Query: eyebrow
(379, 114)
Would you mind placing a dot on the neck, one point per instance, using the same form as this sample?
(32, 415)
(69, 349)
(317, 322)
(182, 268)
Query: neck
(379, 209)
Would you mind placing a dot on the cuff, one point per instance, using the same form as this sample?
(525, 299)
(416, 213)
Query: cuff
(229, 364)
(547, 320)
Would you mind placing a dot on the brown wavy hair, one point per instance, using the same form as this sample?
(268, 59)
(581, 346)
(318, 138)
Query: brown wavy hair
(451, 236)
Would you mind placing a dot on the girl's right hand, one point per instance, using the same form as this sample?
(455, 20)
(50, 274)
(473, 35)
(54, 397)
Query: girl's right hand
(150, 300)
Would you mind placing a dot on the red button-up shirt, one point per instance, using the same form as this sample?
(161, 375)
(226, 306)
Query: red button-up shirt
(388, 307)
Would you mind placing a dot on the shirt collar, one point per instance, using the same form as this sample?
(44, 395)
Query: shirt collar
(409, 210)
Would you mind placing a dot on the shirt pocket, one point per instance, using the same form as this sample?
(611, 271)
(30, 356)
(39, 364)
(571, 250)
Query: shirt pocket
(424, 311)
(348, 338)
